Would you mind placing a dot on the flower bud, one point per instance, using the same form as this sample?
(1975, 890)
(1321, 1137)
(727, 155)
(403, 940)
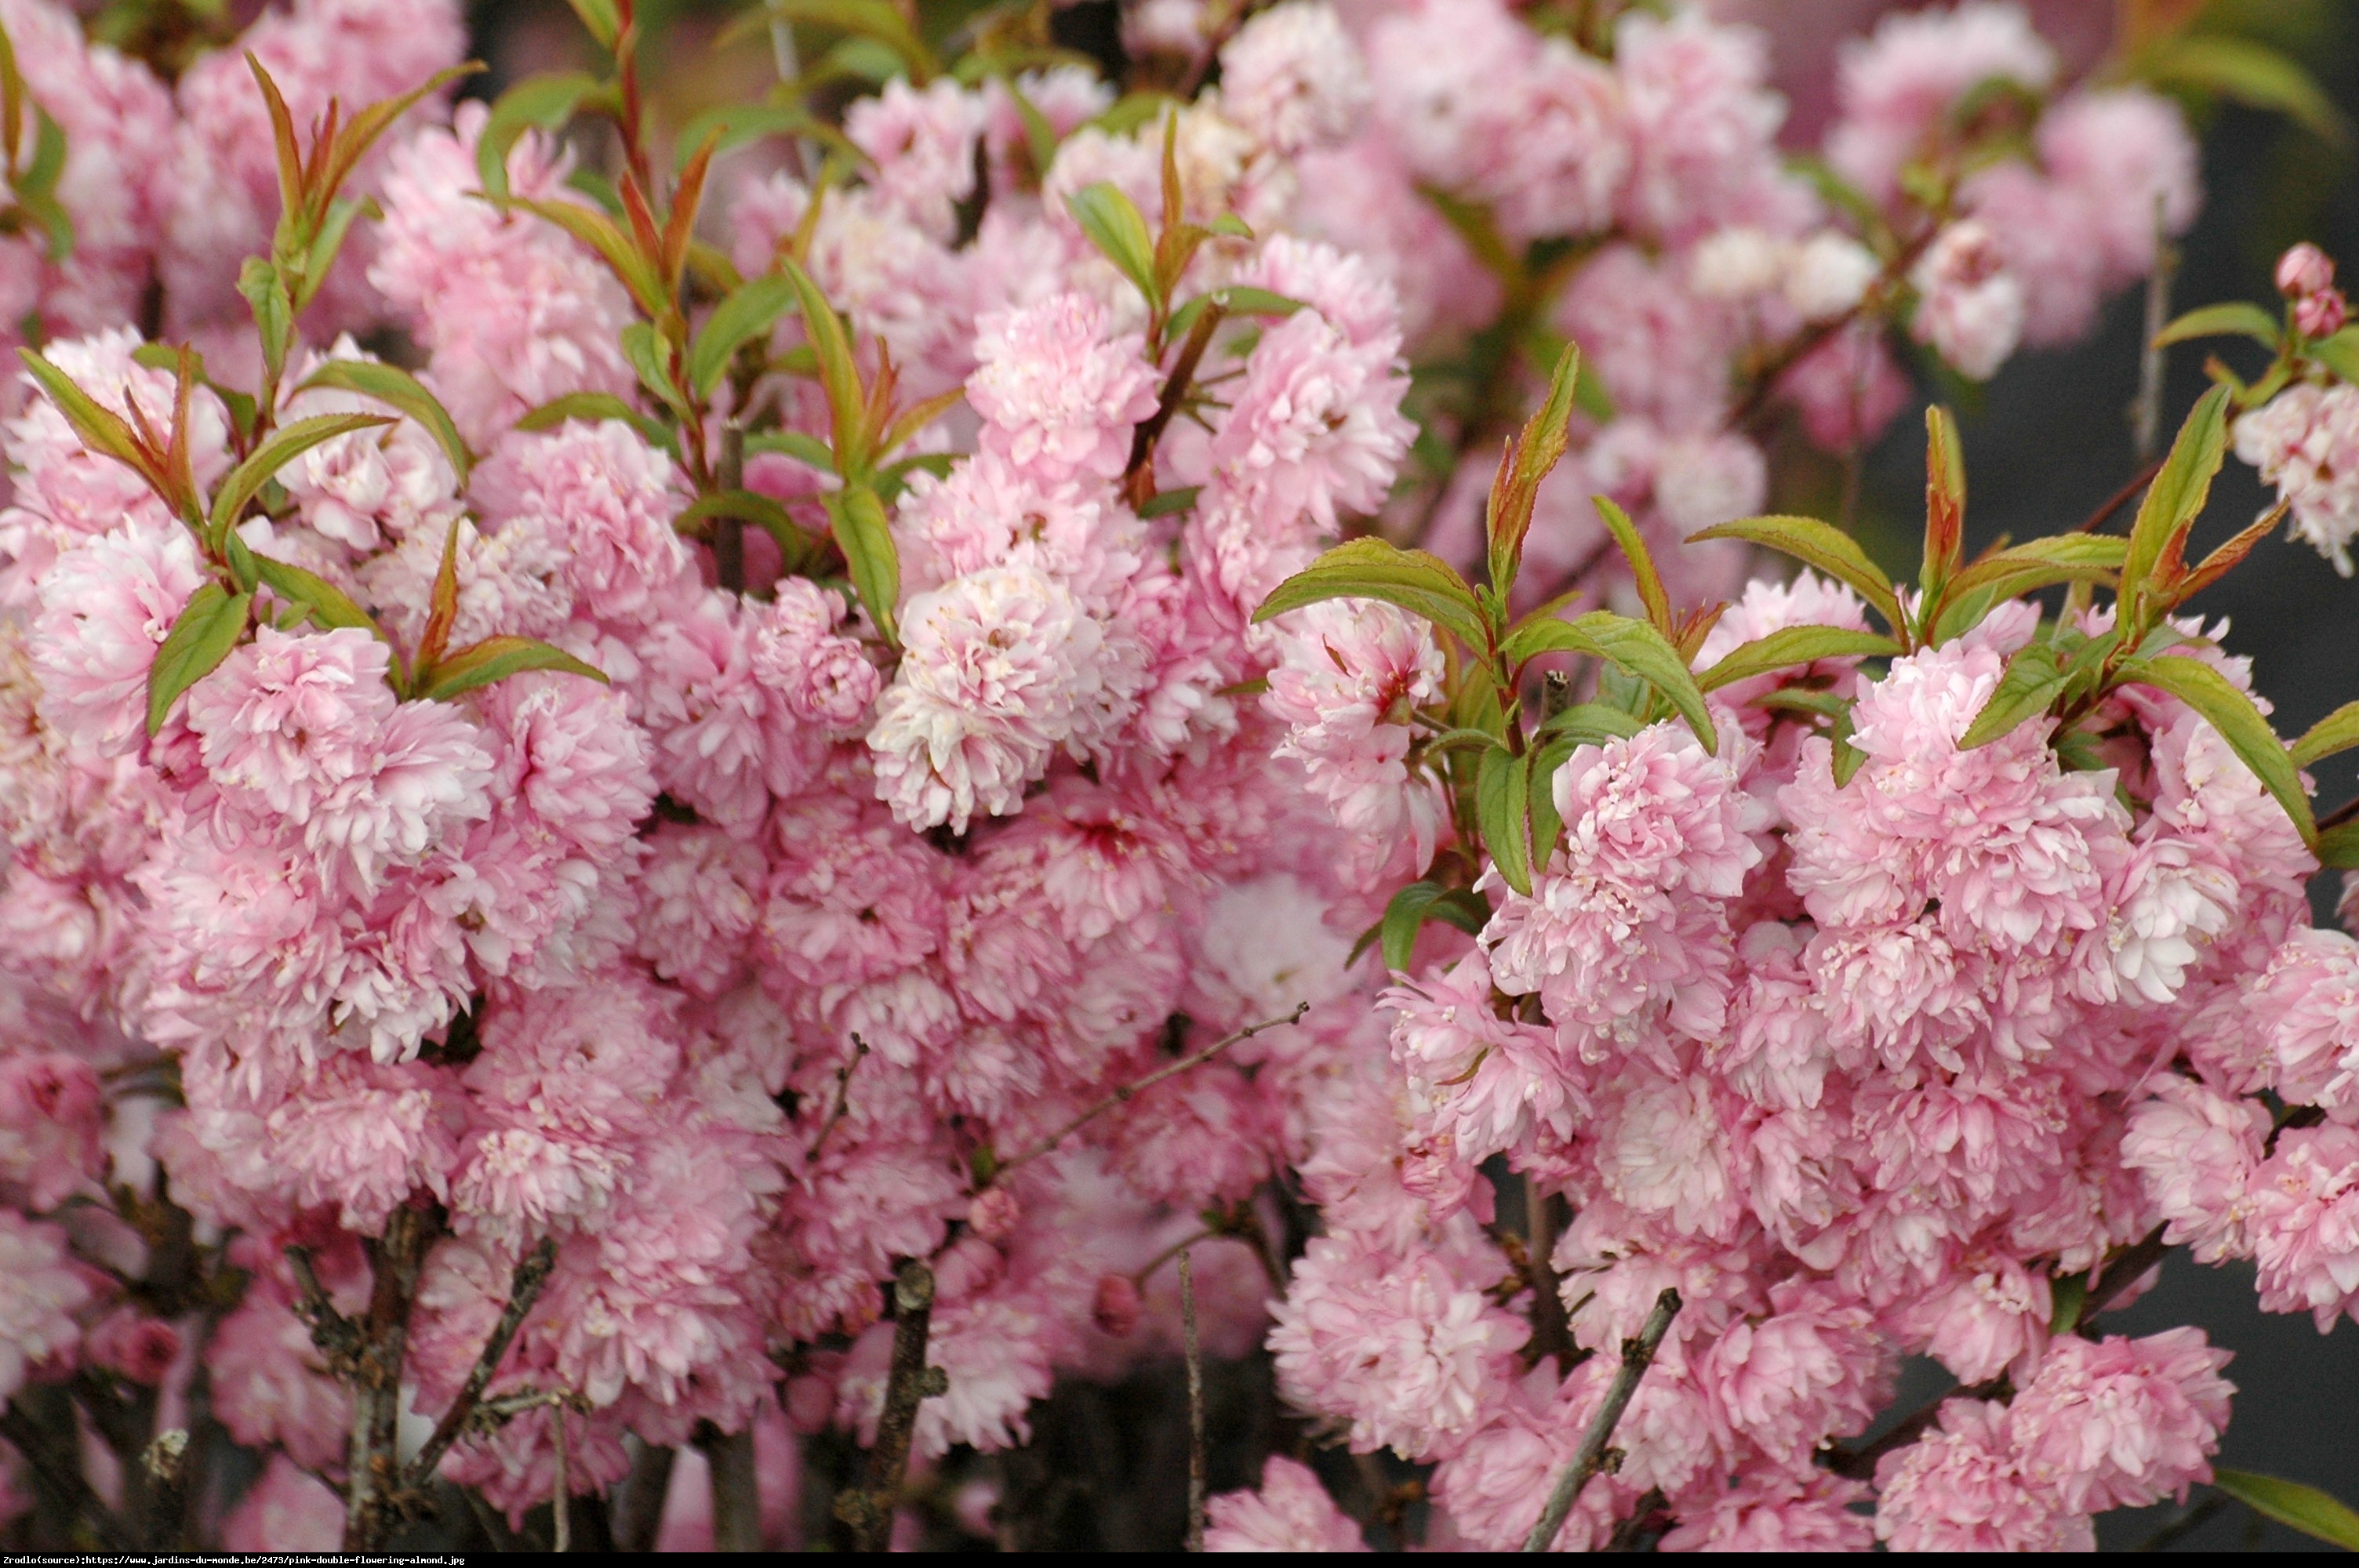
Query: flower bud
(135, 1348)
(1117, 1304)
(2304, 270)
(993, 1214)
(2320, 315)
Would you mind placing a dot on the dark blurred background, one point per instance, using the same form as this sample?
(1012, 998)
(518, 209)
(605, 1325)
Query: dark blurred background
(2047, 442)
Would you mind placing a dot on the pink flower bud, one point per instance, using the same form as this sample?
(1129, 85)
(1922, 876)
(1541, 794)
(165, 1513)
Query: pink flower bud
(1117, 1304)
(138, 1349)
(993, 1214)
(2304, 270)
(2320, 315)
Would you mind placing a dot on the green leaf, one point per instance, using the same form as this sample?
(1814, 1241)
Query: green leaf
(2178, 494)
(1171, 501)
(496, 658)
(646, 352)
(101, 428)
(396, 388)
(2006, 574)
(1538, 449)
(265, 289)
(2234, 319)
(1588, 724)
(537, 104)
(199, 640)
(1791, 647)
(877, 19)
(735, 322)
(1642, 563)
(2251, 73)
(2032, 681)
(2232, 713)
(1503, 814)
(615, 248)
(2066, 1296)
(1475, 225)
(1844, 759)
(862, 535)
(1824, 547)
(289, 442)
(1236, 301)
(1112, 222)
(1632, 646)
(1414, 905)
(2339, 353)
(730, 125)
(839, 376)
(2337, 732)
(1419, 583)
(37, 190)
(795, 544)
(803, 448)
(2338, 847)
(606, 24)
(594, 407)
(2305, 1508)
(334, 224)
(324, 603)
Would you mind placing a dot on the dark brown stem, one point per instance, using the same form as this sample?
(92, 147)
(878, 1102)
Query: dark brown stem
(729, 532)
(843, 1096)
(1860, 1462)
(2340, 815)
(1551, 1334)
(1637, 1355)
(1626, 1532)
(1138, 476)
(2121, 498)
(2122, 1272)
(336, 1336)
(2185, 1525)
(640, 1501)
(737, 1491)
(869, 1511)
(1128, 1092)
(1195, 1404)
(560, 1499)
(524, 1289)
(65, 1481)
(373, 1480)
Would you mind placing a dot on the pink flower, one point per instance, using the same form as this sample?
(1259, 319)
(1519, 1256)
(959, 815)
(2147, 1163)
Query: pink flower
(1989, 1313)
(362, 1138)
(1480, 1085)
(1701, 123)
(604, 499)
(1059, 389)
(1292, 1512)
(1961, 1488)
(2305, 440)
(2307, 1001)
(2305, 1225)
(41, 1290)
(1972, 307)
(2304, 269)
(1815, 1369)
(1894, 86)
(2199, 1154)
(997, 671)
(2126, 152)
(1393, 1343)
(52, 1116)
(824, 678)
(267, 1385)
(105, 607)
(1774, 1509)
(1314, 427)
(1293, 77)
(698, 902)
(2122, 1423)
(922, 148)
(286, 1509)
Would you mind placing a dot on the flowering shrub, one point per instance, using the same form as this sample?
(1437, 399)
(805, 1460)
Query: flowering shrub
(680, 827)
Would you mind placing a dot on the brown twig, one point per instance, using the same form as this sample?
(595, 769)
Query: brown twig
(842, 1095)
(524, 1289)
(1138, 474)
(737, 1491)
(2122, 497)
(640, 1501)
(2340, 815)
(1195, 1404)
(560, 1501)
(2122, 1272)
(372, 1474)
(869, 1511)
(1637, 1355)
(729, 532)
(1551, 1333)
(1860, 1462)
(1128, 1092)
(1627, 1532)
(29, 1441)
(2146, 410)
(336, 1336)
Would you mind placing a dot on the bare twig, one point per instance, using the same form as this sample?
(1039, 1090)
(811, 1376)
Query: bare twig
(1627, 1532)
(842, 1095)
(640, 1501)
(1129, 1092)
(66, 1481)
(869, 1510)
(2122, 497)
(1637, 1355)
(524, 1289)
(1551, 1333)
(2185, 1525)
(336, 1336)
(736, 1491)
(729, 532)
(372, 1474)
(1139, 477)
(1195, 1404)
(560, 1502)
(2124, 1271)
(2145, 412)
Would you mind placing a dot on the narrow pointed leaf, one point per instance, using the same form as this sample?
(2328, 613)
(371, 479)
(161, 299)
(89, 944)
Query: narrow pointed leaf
(1535, 450)
(2232, 713)
(2251, 73)
(861, 533)
(877, 19)
(1589, 724)
(2033, 680)
(1642, 563)
(803, 448)
(1112, 223)
(650, 356)
(1822, 547)
(839, 375)
(353, 143)
(101, 428)
(1415, 905)
(2337, 732)
(327, 605)
(2338, 847)
(2235, 319)
(289, 443)
(1503, 813)
(496, 658)
(2305, 1508)
(2224, 559)
(601, 233)
(2179, 491)
(1419, 583)
(604, 23)
(1945, 501)
(396, 386)
(687, 197)
(1792, 647)
(593, 408)
(796, 545)
(1632, 646)
(2339, 353)
(746, 314)
(208, 628)
(443, 606)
